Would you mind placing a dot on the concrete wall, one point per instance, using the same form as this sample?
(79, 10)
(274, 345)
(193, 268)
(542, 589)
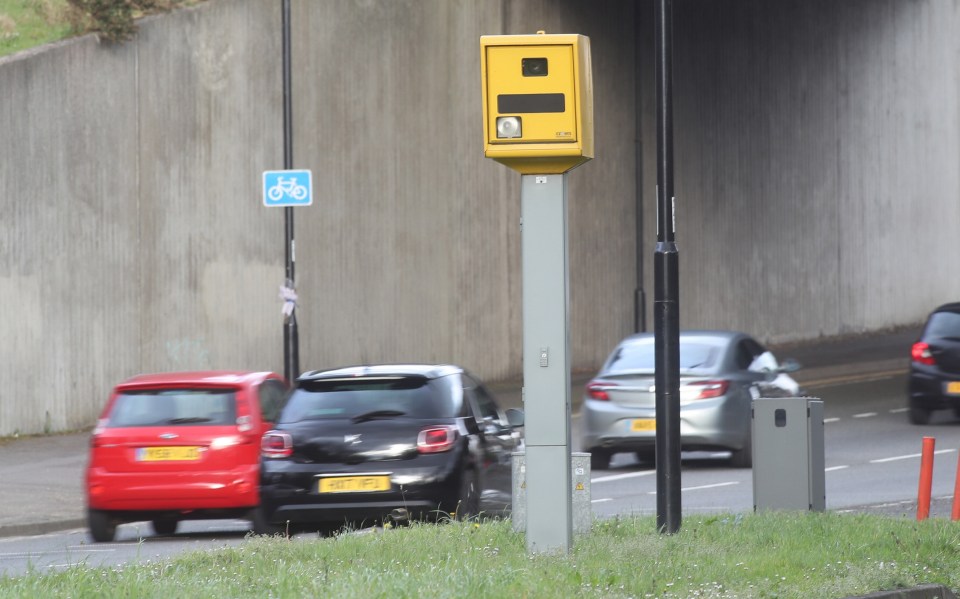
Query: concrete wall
(133, 237)
(816, 163)
(69, 238)
(816, 169)
(414, 249)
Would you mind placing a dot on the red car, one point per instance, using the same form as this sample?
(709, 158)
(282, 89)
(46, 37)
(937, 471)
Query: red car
(180, 446)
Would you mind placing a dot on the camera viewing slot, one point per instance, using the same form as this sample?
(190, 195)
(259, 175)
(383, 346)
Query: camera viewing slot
(530, 103)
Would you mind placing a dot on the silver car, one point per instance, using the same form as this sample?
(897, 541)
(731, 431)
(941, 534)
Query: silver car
(717, 371)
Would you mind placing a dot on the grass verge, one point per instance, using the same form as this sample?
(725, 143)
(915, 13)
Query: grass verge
(25, 24)
(783, 555)
(28, 23)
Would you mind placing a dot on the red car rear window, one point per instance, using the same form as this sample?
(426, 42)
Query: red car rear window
(186, 407)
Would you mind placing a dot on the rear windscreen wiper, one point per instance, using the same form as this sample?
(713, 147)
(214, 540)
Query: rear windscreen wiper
(190, 420)
(376, 414)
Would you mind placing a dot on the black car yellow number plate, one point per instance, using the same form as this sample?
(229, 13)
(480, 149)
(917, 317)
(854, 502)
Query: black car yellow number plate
(354, 484)
(953, 388)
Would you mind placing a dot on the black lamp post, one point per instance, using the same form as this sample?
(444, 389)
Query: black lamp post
(291, 340)
(666, 313)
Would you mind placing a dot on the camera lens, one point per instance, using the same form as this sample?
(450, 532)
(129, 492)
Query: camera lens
(508, 127)
(534, 67)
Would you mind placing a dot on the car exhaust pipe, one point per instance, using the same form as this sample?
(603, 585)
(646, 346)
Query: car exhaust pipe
(400, 516)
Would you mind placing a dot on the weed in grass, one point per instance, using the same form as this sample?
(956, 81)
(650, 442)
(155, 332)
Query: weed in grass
(8, 27)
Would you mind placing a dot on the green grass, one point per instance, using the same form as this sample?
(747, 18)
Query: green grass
(783, 555)
(28, 23)
(25, 24)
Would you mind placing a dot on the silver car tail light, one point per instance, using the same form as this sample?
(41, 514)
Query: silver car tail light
(598, 391)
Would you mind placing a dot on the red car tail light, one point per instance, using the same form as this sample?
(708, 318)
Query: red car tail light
(710, 389)
(436, 439)
(101, 426)
(95, 439)
(598, 391)
(920, 353)
(275, 444)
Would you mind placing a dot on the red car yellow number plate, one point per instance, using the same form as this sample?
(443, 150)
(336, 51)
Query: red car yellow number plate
(354, 484)
(168, 454)
(643, 424)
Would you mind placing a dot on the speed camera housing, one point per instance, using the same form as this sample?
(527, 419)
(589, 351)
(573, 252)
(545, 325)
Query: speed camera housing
(537, 101)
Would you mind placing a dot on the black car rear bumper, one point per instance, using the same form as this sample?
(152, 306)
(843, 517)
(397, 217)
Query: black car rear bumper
(928, 389)
(283, 503)
(289, 492)
(355, 513)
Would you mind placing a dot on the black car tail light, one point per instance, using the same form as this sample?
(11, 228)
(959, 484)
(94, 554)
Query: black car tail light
(598, 391)
(920, 353)
(436, 439)
(710, 389)
(276, 444)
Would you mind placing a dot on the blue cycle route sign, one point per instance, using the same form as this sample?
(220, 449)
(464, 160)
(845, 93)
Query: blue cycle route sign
(287, 188)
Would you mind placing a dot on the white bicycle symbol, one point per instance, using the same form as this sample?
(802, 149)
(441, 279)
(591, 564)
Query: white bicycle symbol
(289, 188)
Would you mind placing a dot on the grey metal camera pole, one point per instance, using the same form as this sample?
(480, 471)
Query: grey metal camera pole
(546, 361)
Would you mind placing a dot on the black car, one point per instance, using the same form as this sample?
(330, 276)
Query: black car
(935, 365)
(367, 445)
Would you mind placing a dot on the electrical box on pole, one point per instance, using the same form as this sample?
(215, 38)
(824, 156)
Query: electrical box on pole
(538, 120)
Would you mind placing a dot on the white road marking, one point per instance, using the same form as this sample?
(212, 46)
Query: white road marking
(604, 479)
(908, 457)
(21, 555)
(898, 410)
(605, 499)
(713, 486)
(829, 420)
(832, 468)
(865, 415)
(856, 378)
(701, 487)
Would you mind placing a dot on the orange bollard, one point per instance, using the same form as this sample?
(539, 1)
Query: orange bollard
(955, 512)
(926, 478)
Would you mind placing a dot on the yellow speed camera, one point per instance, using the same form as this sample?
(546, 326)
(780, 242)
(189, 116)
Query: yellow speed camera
(537, 101)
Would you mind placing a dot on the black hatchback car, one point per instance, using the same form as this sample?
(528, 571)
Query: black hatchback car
(366, 445)
(934, 382)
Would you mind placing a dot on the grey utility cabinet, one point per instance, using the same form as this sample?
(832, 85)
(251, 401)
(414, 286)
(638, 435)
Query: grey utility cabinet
(788, 454)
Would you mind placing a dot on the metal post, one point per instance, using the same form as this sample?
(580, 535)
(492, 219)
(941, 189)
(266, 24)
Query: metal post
(546, 361)
(666, 312)
(639, 294)
(291, 339)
